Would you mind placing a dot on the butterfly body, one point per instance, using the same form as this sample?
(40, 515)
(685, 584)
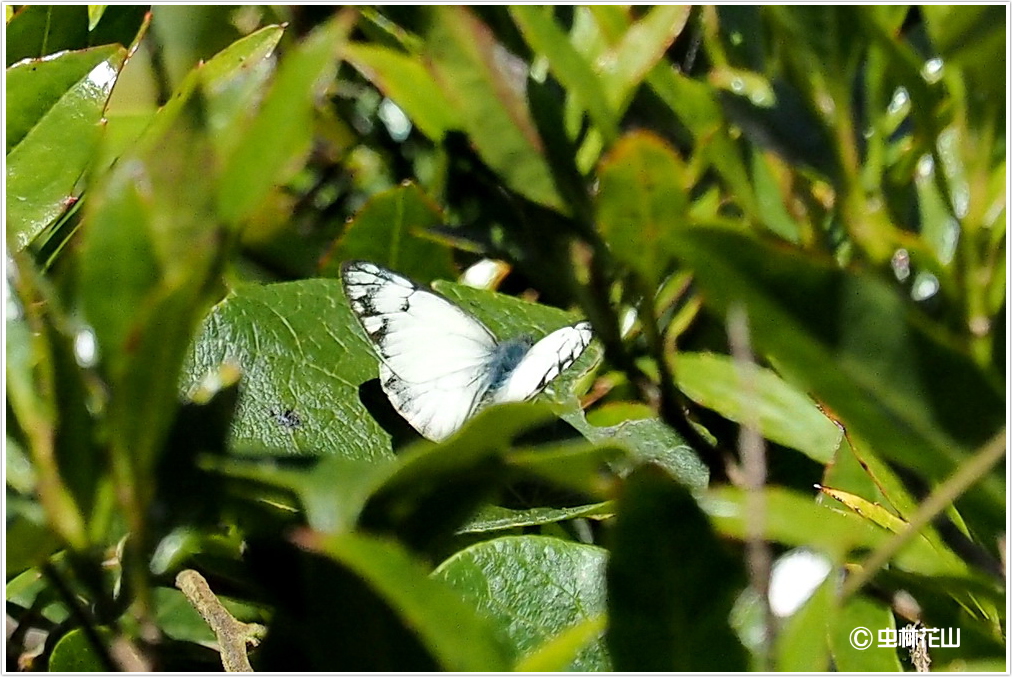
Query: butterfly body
(438, 364)
(504, 360)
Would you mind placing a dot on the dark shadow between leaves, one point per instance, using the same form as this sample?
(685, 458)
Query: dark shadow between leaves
(378, 405)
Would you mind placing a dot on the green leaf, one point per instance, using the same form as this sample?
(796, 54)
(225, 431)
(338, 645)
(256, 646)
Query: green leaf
(300, 351)
(641, 203)
(797, 520)
(558, 653)
(30, 542)
(802, 644)
(435, 487)
(641, 48)
(407, 82)
(40, 30)
(671, 584)
(861, 611)
(494, 518)
(332, 491)
(150, 235)
(696, 106)
(120, 24)
(535, 589)
(650, 440)
(390, 230)
(74, 652)
(280, 133)
(233, 81)
(771, 204)
(579, 466)
(54, 113)
(854, 343)
(47, 397)
(544, 35)
(458, 637)
(484, 83)
(784, 414)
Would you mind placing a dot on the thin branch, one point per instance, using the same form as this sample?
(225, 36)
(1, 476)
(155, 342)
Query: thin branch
(936, 503)
(233, 635)
(752, 451)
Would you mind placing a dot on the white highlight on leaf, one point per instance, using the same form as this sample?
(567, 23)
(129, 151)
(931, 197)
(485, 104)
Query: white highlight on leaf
(794, 578)
(85, 347)
(396, 122)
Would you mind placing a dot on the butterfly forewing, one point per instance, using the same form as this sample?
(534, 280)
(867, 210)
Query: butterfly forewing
(434, 353)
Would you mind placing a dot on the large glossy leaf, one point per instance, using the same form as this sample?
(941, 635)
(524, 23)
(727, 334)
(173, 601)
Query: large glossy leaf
(485, 84)
(671, 583)
(855, 344)
(302, 351)
(534, 588)
(54, 113)
(300, 355)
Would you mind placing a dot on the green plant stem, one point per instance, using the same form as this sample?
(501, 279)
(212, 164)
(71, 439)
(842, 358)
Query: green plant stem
(135, 567)
(940, 499)
(233, 635)
(670, 398)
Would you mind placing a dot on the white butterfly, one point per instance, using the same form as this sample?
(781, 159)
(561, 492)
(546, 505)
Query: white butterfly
(438, 364)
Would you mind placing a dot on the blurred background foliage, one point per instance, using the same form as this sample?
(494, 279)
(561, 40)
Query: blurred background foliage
(786, 224)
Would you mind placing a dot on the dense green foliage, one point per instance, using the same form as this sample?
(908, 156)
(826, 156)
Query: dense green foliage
(786, 225)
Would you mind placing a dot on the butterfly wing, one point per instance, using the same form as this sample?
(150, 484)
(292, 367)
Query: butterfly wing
(543, 362)
(434, 354)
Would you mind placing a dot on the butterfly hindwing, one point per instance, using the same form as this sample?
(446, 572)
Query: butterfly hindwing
(434, 354)
(544, 361)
